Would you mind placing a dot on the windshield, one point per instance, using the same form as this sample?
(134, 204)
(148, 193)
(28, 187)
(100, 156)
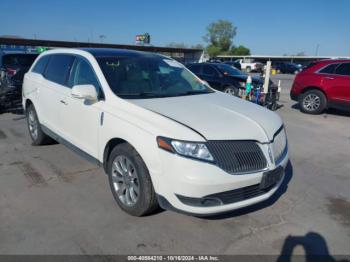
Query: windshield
(229, 70)
(149, 76)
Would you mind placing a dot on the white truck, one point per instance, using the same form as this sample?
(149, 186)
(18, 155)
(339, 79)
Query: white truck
(249, 65)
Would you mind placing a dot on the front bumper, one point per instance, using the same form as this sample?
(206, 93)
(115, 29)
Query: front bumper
(294, 96)
(184, 180)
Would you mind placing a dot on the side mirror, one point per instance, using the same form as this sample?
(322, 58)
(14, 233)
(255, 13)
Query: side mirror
(86, 92)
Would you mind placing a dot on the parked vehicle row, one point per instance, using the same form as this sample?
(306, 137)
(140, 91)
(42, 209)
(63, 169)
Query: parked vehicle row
(286, 67)
(249, 65)
(163, 136)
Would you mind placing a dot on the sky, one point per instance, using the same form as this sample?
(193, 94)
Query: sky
(267, 27)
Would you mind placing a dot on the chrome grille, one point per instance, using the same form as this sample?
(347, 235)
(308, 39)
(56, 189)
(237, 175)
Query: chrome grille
(279, 145)
(237, 156)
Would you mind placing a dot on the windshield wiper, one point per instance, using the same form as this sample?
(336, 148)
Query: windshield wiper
(141, 94)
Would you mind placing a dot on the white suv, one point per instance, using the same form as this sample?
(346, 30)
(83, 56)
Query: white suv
(162, 135)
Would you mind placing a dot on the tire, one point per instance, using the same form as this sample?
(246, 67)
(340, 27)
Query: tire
(313, 102)
(231, 90)
(37, 135)
(131, 185)
(248, 69)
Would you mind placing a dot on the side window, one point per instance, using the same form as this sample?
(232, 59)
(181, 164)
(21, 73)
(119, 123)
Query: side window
(196, 69)
(41, 65)
(329, 69)
(82, 74)
(58, 68)
(209, 71)
(343, 69)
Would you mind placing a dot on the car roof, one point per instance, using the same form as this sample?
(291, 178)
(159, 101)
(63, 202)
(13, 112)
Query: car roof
(98, 52)
(206, 63)
(330, 61)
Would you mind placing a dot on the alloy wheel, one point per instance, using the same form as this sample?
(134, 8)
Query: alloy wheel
(311, 102)
(125, 180)
(33, 124)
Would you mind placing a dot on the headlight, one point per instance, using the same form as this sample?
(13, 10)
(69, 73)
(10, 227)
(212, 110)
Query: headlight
(188, 149)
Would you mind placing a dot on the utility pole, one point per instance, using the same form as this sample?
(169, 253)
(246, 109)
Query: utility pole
(317, 47)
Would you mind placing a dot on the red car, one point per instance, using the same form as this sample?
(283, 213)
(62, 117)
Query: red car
(321, 85)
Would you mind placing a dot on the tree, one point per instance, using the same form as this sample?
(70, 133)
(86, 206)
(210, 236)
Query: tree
(240, 50)
(220, 34)
(213, 50)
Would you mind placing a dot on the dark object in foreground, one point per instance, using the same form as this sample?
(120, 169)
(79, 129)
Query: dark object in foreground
(13, 66)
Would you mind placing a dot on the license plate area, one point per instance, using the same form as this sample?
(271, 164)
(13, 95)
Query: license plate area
(271, 178)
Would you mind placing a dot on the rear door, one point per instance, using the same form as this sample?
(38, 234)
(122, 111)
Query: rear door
(212, 76)
(196, 69)
(53, 90)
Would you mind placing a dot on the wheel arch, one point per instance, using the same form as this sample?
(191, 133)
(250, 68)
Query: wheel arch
(27, 103)
(308, 88)
(108, 149)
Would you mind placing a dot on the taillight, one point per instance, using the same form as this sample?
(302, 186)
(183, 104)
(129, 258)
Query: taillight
(11, 71)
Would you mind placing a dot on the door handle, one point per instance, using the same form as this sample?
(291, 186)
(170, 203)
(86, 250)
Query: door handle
(64, 102)
(329, 78)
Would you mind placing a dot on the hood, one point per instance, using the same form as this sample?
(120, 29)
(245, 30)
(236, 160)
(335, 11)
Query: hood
(217, 116)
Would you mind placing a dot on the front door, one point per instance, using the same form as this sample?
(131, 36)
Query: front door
(82, 119)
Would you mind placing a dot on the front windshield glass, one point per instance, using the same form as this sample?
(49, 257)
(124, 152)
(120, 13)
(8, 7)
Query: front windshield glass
(229, 70)
(149, 76)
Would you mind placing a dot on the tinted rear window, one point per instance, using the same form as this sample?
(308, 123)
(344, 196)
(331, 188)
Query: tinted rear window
(41, 65)
(195, 69)
(329, 69)
(58, 68)
(343, 69)
(19, 59)
(309, 65)
(209, 70)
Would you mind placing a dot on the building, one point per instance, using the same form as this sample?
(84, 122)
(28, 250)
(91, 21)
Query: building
(183, 55)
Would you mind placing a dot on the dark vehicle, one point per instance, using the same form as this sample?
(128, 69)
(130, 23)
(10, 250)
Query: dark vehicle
(230, 80)
(321, 85)
(236, 64)
(13, 66)
(223, 77)
(286, 67)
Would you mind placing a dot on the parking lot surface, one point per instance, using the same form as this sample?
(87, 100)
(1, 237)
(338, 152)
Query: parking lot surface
(54, 202)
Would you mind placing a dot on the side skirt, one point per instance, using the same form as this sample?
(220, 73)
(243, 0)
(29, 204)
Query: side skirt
(72, 147)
